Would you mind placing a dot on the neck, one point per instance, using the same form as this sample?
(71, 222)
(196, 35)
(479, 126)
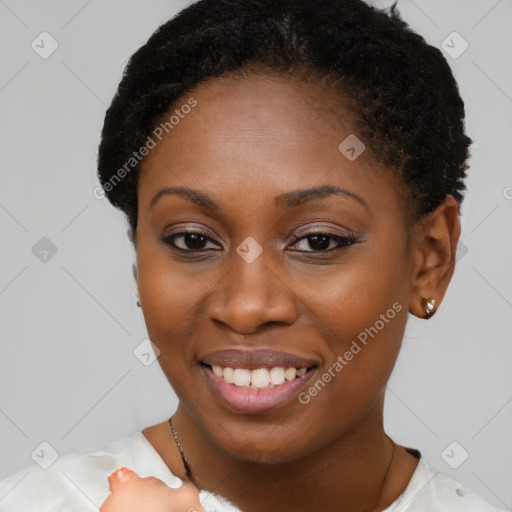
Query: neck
(349, 471)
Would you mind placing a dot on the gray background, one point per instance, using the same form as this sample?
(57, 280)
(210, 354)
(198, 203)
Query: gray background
(69, 323)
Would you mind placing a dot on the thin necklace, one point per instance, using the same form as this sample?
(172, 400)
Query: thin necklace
(180, 449)
(191, 478)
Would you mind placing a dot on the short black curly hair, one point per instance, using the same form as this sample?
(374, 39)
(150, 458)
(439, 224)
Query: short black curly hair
(408, 108)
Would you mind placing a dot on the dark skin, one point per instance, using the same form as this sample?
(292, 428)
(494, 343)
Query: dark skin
(247, 142)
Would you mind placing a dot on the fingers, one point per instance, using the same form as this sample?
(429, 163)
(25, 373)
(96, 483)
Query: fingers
(120, 476)
(120, 498)
(131, 493)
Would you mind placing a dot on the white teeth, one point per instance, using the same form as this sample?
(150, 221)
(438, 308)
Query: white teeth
(228, 374)
(290, 373)
(242, 377)
(260, 378)
(277, 376)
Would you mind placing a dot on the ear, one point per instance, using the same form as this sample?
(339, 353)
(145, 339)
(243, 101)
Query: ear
(434, 251)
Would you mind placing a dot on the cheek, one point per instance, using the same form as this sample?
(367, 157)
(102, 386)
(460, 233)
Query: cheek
(367, 294)
(173, 297)
(165, 293)
(361, 315)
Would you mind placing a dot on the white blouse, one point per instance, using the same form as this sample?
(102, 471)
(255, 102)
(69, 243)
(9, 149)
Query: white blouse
(78, 482)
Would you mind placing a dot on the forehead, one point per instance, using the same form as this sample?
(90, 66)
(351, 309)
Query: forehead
(259, 135)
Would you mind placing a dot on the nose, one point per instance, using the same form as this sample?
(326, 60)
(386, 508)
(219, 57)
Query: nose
(252, 296)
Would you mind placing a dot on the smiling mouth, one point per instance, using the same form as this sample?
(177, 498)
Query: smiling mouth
(256, 381)
(258, 378)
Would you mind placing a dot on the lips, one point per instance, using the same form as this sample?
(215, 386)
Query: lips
(253, 359)
(255, 381)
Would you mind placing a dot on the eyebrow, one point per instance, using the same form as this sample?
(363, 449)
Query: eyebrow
(298, 197)
(290, 199)
(200, 198)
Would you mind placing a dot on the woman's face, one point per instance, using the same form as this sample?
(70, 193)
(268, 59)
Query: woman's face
(296, 261)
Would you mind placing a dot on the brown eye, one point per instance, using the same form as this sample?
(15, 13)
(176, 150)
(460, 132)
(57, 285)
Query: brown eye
(190, 241)
(323, 242)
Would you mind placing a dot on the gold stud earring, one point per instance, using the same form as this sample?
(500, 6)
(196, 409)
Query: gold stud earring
(429, 306)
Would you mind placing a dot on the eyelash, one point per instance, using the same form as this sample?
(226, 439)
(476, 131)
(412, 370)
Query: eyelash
(343, 241)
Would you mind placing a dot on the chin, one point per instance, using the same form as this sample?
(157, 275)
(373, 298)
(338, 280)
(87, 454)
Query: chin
(263, 443)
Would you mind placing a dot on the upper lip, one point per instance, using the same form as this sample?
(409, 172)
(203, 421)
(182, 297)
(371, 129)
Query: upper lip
(252, 359)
